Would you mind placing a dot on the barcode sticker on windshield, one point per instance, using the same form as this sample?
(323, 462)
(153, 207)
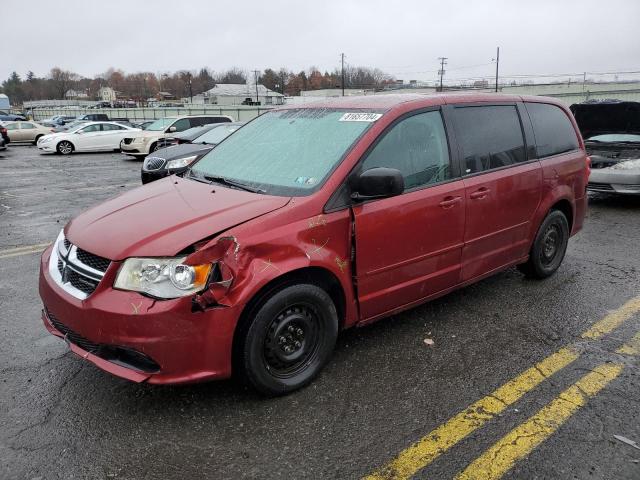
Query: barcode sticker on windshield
(360, 117)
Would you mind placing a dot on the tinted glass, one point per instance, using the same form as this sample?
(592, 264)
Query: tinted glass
(552, 128)
(11, 126)
(286, 152)
(207, 120)
(109, 127)
(91, 128)
(160, 124)
(490, 137)
(417, 146)
(181, 125)
(27, 126)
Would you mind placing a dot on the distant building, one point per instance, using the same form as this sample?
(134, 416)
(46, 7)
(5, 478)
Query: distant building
(165, 96)
(239, 94)
(334, 92)
(107, 94)
(75, 94)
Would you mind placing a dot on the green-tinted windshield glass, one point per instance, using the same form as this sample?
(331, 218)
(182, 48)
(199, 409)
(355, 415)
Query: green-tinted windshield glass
(161, 124)
(286, 152)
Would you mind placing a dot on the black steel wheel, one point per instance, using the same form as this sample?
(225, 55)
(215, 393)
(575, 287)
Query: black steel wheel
(286, 339)
(549, 246)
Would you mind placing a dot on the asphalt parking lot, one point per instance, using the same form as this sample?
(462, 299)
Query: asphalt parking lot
(523, 379)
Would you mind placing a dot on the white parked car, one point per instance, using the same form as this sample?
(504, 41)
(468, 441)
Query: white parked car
(88, 137)
(142, 145)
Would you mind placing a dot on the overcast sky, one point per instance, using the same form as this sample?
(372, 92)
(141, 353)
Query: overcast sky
(403, 38)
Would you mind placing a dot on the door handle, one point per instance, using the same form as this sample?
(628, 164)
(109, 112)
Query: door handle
(449, 202)
(480, 193)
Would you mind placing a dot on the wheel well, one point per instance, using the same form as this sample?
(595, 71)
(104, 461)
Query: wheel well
(565, 207)
(314, 275)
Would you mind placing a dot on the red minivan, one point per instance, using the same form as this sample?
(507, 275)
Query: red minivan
(309, 220)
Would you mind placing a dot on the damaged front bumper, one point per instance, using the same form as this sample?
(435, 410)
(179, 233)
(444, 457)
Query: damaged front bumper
(139, 338)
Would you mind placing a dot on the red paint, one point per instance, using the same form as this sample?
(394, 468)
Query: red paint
(408, 249)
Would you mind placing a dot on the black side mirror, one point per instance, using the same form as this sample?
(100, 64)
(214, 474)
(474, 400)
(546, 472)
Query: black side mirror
(379, 182)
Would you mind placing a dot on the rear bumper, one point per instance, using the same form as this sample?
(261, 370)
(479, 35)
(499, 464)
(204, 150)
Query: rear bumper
(119, 331)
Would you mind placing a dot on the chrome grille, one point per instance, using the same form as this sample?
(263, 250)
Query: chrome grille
(153, 163)
(94, 261)
(77, 271)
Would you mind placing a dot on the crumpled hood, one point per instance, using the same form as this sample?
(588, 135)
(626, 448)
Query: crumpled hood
(164, 217)
(607, 117)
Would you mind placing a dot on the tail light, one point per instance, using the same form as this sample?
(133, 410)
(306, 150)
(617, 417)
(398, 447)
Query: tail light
(587, 169)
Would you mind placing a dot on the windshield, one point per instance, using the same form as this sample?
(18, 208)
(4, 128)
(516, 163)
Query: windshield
(160, 124)
(285, 152)
(217, 134)
(615, 137)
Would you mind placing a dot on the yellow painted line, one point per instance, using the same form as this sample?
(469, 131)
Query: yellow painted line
(631, 348)
(613, 319)
(523, 439)
(26, 250)
(426, 450)
(430, 447)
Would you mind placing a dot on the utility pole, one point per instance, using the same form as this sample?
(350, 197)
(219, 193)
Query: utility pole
(497, 66)
(190, 89)
(443, 62)
(342, 60)
(255, 73)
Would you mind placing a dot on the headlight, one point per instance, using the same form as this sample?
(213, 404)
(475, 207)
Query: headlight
(162, 277)
(180, 162)
(45, 140)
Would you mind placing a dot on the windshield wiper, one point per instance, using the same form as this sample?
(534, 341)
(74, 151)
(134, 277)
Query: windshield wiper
(233, 183)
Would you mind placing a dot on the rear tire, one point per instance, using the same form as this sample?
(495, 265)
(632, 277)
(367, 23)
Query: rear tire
(286, 340)
(35, 142)
(64, 147)
(549, 247)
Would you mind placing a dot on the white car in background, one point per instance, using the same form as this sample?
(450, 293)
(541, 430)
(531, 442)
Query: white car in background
(88, 137)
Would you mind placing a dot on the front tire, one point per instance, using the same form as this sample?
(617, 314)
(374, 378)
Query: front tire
(64, 147)
(287, 339)
(549, 247)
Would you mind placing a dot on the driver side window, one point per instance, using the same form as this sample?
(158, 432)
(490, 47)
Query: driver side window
(417, 146)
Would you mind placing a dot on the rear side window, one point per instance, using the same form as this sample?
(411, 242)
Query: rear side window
(208, 120)
(552, 128)
(490, 137)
